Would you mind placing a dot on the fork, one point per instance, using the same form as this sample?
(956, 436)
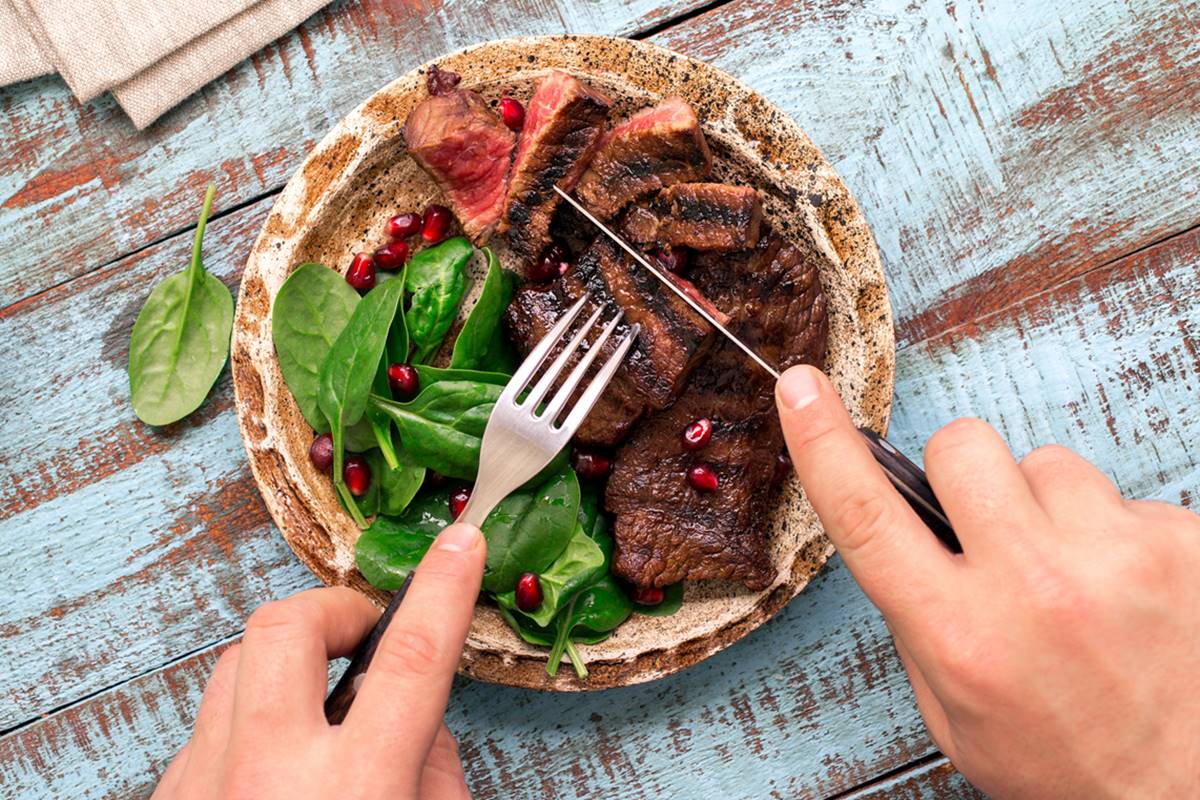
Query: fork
(520, 439)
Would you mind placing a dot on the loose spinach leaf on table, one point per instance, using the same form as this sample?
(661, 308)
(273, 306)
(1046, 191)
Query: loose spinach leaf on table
(393, 546)
(481, 344)
(436, 281)
(311, 309)
(180, 341)
(580, 564)
(350, 368)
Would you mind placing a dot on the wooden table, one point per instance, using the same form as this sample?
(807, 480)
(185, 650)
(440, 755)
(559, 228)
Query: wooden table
(1032, 178)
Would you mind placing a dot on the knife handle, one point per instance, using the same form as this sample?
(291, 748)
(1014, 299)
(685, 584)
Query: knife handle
(910, 481)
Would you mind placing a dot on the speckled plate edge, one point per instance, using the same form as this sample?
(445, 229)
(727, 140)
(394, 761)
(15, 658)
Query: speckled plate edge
(800, 187)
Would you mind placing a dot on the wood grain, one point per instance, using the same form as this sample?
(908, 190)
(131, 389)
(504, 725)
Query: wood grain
(933, 780)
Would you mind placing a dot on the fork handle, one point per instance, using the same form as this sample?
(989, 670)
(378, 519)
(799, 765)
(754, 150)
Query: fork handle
(913, 485)
(343, 694)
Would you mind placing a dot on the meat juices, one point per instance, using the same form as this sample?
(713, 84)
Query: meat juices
(702, 216)
(563, 125)
(666, 530)
(466, 149)
(655, 148)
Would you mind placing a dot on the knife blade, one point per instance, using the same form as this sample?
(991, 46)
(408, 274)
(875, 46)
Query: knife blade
(907, 477)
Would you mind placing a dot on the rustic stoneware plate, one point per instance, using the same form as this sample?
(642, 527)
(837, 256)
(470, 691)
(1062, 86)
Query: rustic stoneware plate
(336, 204)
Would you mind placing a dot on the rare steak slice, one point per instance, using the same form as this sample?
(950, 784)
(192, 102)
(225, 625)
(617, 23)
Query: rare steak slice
(673, 337)
(563, 125)
(702, 216)
(666, 531)
(466, 149)
(653, 149)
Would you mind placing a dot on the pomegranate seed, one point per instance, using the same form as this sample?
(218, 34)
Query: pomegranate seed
(697, 434)
(404, 225)
(590, 465)
(555, 260)
(404, 380)
(361, 274)
(458, 500)
(672, 259)
(529, 592)
(320, 452)
(356, 472)
(783, 467)
(702, 478)
(647, 595)
(512, 112)
(436, 224)
(391, 256)
(434, 480)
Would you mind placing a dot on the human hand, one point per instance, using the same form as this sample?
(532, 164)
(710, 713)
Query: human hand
(261, 731)
(1057, 655)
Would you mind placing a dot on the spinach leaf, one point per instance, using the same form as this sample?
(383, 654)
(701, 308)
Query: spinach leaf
(180, 341)
(349, 370)
(443, 426)
(481, 344)
(527, 629)
(381, 424)
(529, 529)
(397, 487)
(672, 600)
(310, 310)
(589, 618)
(435, 279)
(398, 345)
(360, 437)
(580, 564)
(430, 375)
(392, 547)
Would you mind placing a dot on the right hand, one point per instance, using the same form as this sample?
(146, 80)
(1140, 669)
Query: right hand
(1058, 655)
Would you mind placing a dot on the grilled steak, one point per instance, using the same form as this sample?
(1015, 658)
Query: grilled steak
(667, 531)
(703, 216)
(673, 337)
(466, 149)
(655, 148)
(563, 124)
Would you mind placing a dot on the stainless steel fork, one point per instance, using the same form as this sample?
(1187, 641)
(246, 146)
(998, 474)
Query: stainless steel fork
(522, 436)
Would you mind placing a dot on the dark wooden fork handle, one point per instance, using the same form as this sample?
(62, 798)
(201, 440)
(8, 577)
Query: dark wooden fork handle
(338, 703)
(910, 481)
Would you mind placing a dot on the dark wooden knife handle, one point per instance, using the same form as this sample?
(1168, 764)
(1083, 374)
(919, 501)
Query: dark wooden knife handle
(910, 481)
(338, 703)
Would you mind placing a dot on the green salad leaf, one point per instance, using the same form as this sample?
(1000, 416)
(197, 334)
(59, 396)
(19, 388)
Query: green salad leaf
(393, 546)
(481, 344)
(580, 564)
(180, 340)
(436, 280)
(671, 602)
(529, 529)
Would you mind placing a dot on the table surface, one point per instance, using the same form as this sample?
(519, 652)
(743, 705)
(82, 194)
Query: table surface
(1031, 175)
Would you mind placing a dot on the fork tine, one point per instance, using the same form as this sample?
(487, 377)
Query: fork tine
(592, 393)
(542, 388)
(563, 395)
(535, 358)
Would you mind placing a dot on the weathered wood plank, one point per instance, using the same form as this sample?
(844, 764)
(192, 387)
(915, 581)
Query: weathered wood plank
(995, 151)
(79, 183)
(808, 706)
(935, 780)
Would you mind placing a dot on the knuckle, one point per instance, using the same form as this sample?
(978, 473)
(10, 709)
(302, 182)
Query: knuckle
(280, 620)
(1060, 598)
(409, 652)
(1047, 459)
(863, 518)
(952, 439)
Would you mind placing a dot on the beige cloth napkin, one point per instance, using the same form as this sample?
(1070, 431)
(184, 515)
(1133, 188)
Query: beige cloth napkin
(150, 54)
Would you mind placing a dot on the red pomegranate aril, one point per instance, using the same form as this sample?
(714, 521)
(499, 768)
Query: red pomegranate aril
(361, 274)
(529, 592)
(458, 501)
(513, 113)
(404, 380)
(404, 225)
(647, 595)
(697, 434)
(702, 478)
(554, 261)
(672, 259)
(590, 465)
(391, 256)
(435, 225)
(783, 467)
(320, 452)
(356, 472)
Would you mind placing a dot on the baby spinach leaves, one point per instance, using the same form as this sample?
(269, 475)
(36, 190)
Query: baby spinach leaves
(480, 344)
(529, 529)
(392, 547)
(311, 309)
(436, 281)
(180, 341)
(671, 602)
(580, 563)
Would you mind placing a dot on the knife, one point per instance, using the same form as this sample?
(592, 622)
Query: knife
(907, 477)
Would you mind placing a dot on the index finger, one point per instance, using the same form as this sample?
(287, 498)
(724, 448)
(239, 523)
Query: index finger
(893, 556)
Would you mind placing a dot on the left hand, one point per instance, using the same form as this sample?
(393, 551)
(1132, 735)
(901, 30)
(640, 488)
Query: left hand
(261, 730)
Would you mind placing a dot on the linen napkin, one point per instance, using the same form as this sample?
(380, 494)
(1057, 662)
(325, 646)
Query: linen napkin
(150, 54)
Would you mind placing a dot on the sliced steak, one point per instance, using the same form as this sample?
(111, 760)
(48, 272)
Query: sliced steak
(673, 337)
(667, 531)
(703, 216)
(563, 125)
(655, 148)
(467, 151)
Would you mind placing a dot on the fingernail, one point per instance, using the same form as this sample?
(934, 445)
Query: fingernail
(459, 538)
(798, 387)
